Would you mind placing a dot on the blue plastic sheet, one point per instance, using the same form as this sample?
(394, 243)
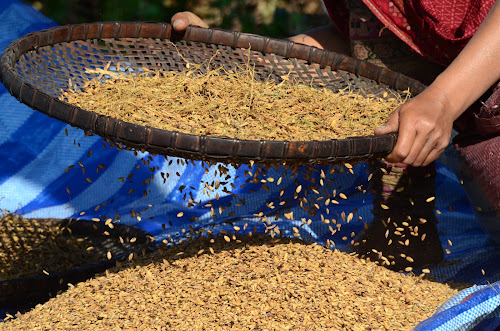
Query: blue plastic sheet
(34, 181)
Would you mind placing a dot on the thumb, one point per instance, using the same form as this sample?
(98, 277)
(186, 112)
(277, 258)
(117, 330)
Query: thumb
(180, 21)
(391, 125)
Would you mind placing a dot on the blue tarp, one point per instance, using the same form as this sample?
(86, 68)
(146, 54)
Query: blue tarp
(35, 154)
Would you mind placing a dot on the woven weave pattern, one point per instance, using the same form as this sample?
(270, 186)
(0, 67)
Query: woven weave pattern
(37, 67)
(52, 68)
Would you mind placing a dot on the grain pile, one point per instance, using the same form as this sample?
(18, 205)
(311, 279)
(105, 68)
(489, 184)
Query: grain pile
(242, 282)
(231, 103)
(31, 247)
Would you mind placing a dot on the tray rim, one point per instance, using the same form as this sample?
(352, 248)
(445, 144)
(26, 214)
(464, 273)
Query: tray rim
(202, 147)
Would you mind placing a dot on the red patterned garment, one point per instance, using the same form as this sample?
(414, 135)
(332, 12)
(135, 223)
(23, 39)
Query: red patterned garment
(436, 29)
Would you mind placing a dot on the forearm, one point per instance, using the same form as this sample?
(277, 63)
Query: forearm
(325, 37)
(476, 69)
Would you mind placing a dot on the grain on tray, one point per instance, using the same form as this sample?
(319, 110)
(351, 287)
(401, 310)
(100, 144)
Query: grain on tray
(231, 103)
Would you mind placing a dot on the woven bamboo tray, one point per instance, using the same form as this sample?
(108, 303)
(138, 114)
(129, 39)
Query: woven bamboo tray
(26, 291)
(37, 67)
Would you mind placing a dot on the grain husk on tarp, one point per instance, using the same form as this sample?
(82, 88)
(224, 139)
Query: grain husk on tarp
(234, 281)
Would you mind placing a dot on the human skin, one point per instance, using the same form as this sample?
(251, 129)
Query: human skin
(325, 37)
(425, 122)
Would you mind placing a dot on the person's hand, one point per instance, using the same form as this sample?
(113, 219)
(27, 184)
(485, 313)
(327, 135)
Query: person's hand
(424, 124)
(182, 20)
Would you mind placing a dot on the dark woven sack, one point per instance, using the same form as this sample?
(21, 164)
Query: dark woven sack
(480, 150)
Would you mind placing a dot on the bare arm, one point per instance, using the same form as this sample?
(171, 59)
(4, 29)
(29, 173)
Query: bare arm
(477, 67)
(425, 122)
